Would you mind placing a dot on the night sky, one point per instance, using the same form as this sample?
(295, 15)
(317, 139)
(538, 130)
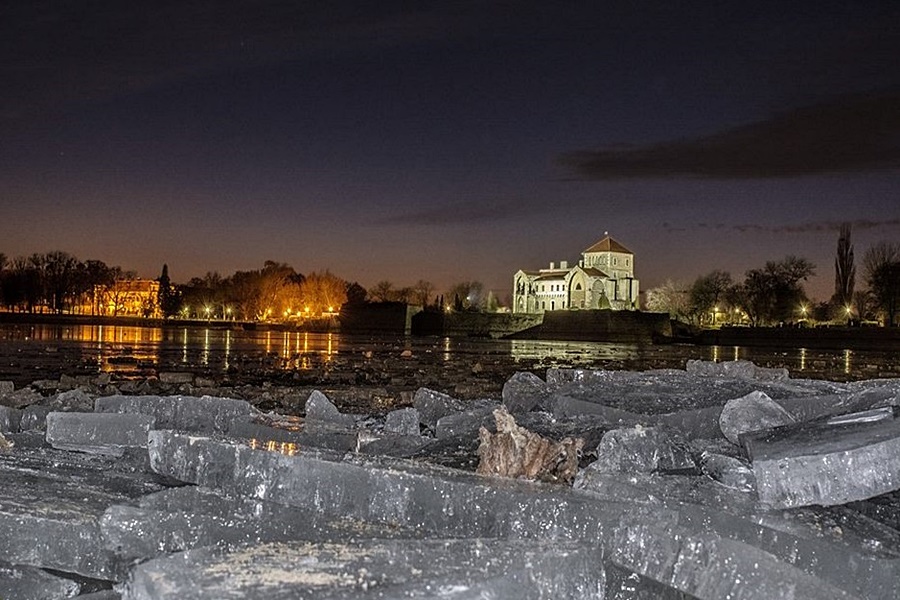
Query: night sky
(448, 141)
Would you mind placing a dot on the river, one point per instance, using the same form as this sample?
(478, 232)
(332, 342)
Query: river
(29, 352)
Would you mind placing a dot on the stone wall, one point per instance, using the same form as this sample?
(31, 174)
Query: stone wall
(601, 325)
(378, 318)
(473, 324)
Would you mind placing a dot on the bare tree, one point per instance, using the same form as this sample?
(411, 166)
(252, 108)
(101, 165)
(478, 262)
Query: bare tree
(383, 291)
(322, 291)
(669, 297)
(882, 266)
(422, 292)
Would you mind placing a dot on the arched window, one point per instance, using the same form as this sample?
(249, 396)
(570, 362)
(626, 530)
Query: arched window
(578, 287)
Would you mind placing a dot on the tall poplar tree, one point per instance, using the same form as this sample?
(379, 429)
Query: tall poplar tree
(844, 270)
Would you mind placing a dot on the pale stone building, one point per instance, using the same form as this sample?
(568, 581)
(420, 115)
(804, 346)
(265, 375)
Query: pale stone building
(603, 278)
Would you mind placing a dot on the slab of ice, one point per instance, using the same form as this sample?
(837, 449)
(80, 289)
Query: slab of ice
(824, 463)
(463, 569)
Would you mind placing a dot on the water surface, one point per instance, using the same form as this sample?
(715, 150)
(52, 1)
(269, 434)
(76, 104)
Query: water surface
(39, 351)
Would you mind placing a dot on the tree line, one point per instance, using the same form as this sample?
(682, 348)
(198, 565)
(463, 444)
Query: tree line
(774, 293)
(59, 282)
(56, 281)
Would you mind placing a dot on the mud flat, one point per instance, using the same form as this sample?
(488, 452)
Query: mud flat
(717, 480)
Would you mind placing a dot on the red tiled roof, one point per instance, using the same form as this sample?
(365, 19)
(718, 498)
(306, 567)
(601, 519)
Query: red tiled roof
(608, 244)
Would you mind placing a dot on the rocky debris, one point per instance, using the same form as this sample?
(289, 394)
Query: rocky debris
(5, 444)
(518, 453)
(6, 387)
(752, 412)
(212, 495)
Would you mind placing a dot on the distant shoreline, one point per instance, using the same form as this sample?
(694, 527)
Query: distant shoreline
(837, 338)
(68, 319)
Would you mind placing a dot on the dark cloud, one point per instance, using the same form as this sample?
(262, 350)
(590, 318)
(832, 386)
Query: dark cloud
(466, 213)
(811, 227)
(855, 133)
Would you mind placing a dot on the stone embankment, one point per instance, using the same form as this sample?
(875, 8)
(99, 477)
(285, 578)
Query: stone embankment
(723, 480)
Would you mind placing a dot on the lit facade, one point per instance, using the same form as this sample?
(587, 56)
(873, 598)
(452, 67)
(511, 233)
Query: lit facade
(603, 278)
(129, 298)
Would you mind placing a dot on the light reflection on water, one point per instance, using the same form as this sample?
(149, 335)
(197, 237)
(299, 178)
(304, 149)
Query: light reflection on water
(133, 349)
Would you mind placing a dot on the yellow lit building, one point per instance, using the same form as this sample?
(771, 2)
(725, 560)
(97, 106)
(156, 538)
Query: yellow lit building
(129, 298)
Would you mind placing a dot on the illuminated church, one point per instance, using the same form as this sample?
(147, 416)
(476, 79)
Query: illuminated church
(603, 278)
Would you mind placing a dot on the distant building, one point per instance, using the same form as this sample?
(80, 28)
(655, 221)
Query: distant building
(129, 298)
(603, 278)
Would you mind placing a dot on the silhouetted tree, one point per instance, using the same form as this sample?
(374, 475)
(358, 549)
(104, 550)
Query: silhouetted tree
(422, 292)
(2, 274)
(356, 294)
(706, 293)
(383, 291)
(468, 295)
(774, 293)
(844, 270)
(168, 297)
(95, 278)
(882, 266)
(58, 270)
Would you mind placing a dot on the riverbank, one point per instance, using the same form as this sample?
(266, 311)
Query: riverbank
(837, 338)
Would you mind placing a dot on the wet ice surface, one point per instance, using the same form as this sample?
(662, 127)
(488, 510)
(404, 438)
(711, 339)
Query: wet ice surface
(337, 444)
(467, 367)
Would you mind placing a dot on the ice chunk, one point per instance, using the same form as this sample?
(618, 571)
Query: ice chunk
(524, 392)
(825, 463)
(641, 450)
(403, 421)
(323, 415)
(98, 433)
(753, 412)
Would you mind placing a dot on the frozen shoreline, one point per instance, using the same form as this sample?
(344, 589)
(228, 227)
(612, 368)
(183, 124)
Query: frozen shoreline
(663, 504)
